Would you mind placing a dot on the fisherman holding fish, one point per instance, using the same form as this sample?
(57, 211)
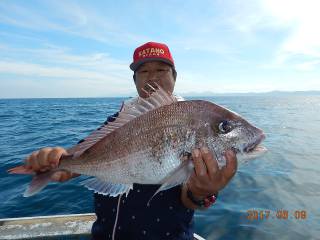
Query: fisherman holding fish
(169, 215)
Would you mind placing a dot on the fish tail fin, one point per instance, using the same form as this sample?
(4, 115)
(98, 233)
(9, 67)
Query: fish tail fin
(180, 175)
(38, 182)
(22, 169)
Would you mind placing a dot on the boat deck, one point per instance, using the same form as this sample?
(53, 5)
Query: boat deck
(75, 226)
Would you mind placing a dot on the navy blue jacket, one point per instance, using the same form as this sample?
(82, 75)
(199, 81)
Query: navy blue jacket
(164, 218)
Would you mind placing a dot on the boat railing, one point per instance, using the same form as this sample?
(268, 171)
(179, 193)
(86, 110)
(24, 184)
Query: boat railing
(72, 226)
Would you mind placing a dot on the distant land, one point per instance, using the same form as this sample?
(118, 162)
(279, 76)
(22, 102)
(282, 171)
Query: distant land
(271, 93)
(212, 94)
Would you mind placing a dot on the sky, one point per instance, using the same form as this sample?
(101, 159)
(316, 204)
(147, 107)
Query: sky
(84, 48)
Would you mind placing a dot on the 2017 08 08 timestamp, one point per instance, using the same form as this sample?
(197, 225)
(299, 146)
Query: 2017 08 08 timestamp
(281, 214)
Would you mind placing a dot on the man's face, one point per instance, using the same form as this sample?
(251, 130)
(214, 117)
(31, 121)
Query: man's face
(154, 72)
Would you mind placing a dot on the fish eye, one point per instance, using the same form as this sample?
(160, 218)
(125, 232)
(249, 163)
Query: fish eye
(225, 126)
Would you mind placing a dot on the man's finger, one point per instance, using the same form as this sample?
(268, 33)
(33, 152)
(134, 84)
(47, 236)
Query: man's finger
(33, 161)
(27, 162)
(210, 161)
(231, 165)
(57, 176)
(199, 165)
(55, 155)
(43, 157)
(61, 176)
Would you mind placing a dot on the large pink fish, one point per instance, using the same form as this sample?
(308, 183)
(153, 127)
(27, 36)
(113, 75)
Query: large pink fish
(147, 141)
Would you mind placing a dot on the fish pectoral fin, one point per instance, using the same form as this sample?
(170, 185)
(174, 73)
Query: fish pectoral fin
(107, 188)
(180, 175)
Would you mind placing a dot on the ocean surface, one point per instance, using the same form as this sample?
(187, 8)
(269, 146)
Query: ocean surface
(276, 196)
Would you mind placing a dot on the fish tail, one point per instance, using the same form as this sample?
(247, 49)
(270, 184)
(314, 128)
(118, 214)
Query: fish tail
(38, 182)
(22, 169)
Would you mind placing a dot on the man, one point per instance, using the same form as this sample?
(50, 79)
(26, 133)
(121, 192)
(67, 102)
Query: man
(170, 213)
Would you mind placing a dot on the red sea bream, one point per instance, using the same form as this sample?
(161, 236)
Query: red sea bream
(147, 141)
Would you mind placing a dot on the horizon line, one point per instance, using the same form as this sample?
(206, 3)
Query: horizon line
(186, 94)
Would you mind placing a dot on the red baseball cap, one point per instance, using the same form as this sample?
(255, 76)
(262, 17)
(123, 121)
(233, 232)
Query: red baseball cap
(151, 51)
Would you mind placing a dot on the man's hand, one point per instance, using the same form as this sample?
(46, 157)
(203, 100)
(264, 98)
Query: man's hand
(207, 178)
(46, 159)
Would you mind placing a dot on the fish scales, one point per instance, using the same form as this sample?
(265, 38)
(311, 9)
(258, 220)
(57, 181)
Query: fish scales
(148, 145)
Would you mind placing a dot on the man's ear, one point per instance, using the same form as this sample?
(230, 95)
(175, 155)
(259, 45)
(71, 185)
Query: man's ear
(134, 77)
(174, 72)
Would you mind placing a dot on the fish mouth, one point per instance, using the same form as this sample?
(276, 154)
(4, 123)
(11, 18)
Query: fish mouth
(255, 146)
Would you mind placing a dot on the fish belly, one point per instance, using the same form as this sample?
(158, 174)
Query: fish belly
(140, 167)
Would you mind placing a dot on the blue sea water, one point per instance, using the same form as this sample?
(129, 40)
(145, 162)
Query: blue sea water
(282, 187)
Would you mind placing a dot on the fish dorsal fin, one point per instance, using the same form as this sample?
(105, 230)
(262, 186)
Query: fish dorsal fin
(129, 112)
(158, 98)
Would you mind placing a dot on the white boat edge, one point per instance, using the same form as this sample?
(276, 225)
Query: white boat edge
(50, 226)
